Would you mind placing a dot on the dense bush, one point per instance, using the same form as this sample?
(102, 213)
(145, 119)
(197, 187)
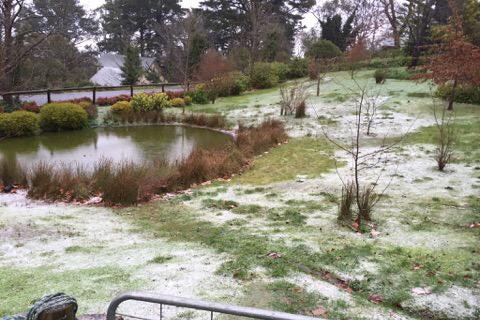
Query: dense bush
(18, 123)
(90, 108)
(63, 116)
(263, 76)
(463, 94)
(323, 49)
(31, 106)
(240, 83)
(280, 70)
(297, 68)
(399, 74)
(144, 102)
(380, 76)
(178, 103)
(77, 100)
(199, 95)
(175, 94)
(188, 100)
(121, 107)
(112, 100)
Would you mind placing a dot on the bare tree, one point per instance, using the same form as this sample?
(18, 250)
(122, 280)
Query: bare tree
(363, 161)
(391, 12)
(318, 70)
(13, 45)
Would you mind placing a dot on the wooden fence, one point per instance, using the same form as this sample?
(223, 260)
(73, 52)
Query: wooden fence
(93, 89)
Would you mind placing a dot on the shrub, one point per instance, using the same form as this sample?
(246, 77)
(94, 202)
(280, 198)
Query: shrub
(297, 68)
(178, 103)
(241, 83)
(144, 102)
(76, 101)
(300, 111)
(280, 70)
(18, 123)
(90, 108)
(380, 76)
(31, 106)
(199, 95)
(399, 74)
(323, 49)
(187, 100)
(121, 107)
(63, 116)
(112, 100)
(463, 94)
(263, 76)
(345, 214)
(175, 94)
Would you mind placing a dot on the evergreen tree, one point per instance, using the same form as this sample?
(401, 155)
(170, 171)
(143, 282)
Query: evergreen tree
(132, 66)
(235, 24)
(333, 30)
(146, 23)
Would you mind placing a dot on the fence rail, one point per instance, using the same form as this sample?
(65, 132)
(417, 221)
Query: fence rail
(93, 89)
(210, 307)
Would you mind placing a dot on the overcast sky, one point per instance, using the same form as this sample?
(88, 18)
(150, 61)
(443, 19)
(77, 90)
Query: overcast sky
(93, 4)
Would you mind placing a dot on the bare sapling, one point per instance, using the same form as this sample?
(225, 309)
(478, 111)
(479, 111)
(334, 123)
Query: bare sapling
(321, 68)
(367, 165)
(445, 124)
(371, 109)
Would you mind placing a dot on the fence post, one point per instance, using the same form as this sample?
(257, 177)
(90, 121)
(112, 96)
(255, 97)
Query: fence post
(163, 88)
(131, 91)
(49, 97)
(94, 95)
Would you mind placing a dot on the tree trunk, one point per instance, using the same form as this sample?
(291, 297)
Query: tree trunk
(318, 85)
(452, 96)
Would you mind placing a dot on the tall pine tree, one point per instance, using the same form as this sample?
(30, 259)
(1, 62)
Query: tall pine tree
(132, 66)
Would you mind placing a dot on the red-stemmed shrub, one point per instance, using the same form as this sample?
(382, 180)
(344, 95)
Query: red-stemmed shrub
(31, 106)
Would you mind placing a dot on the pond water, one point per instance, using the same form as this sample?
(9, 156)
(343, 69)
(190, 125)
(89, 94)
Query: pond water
(85, 147)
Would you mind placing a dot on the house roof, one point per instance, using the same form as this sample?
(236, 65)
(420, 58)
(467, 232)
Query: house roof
(110, 74)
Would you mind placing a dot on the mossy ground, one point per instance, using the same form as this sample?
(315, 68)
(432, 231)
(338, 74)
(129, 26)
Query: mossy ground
(269, 237)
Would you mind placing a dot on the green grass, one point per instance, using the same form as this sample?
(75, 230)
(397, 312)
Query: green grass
(249, 250)
(89, 286)
(467, 138)
(305, 156)
(247, 99)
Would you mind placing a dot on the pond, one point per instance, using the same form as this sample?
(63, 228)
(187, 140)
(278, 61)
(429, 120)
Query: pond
(85, 147)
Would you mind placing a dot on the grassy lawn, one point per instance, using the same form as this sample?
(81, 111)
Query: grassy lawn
(306, 156)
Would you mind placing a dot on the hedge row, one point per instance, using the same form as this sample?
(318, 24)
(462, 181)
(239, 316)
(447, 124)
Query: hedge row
(463, 94)
(51, 117)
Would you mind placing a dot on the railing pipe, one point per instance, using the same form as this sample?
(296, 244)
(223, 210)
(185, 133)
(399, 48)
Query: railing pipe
(201, 305)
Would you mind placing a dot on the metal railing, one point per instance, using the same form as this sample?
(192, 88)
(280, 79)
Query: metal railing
(93, 89)
(211, 307)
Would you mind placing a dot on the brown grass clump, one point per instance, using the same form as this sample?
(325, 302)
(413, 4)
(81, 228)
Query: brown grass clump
(345, 214)
(257, 140)
(124, 185)
(204, 165)
(11, 173)
(215, 121)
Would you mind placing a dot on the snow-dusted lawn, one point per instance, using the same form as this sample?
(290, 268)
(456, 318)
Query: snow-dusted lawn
(269, 238)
